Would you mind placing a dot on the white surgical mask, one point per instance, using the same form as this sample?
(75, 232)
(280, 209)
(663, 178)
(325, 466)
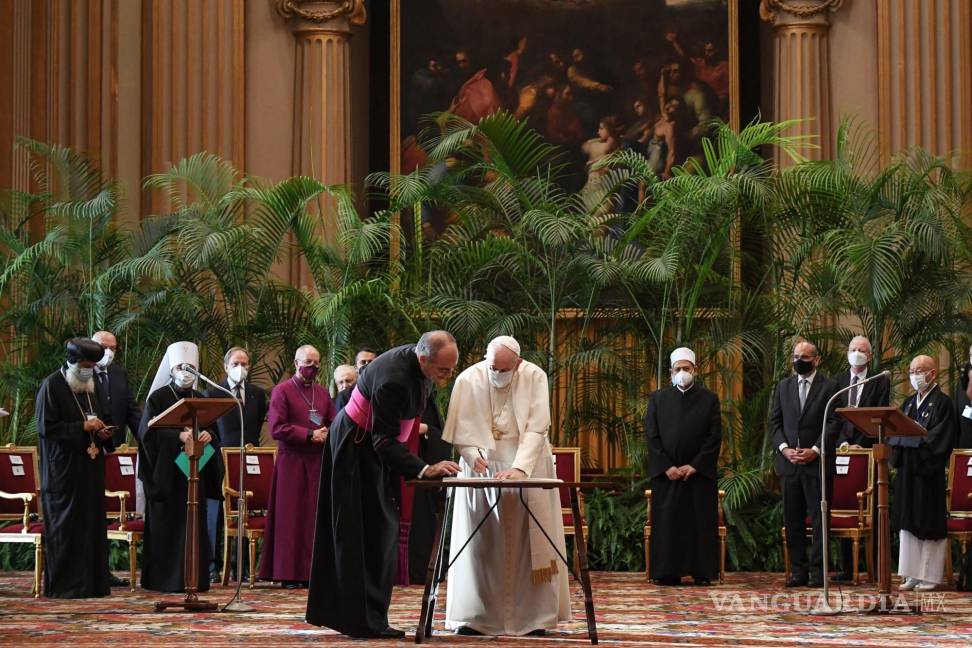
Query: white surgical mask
(106, 359)
(183, 379)
(856, 358)
(918, 381)
(83, 374)
(683, 378)
(500, 379)
(237, 374)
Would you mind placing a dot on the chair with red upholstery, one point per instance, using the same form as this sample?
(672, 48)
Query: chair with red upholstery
(851, 509)
(123, 522)
(567, 464)
(959, 503)
(255, 499)
(20, 504)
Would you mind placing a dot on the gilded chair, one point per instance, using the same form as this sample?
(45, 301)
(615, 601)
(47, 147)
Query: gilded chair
(123, 523)
(851, 508)
(958, 499)
(722, 537)
(20, 504)
(253, 502)
(567, 465)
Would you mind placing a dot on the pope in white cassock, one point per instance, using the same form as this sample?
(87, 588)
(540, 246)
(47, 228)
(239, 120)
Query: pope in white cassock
(508, 580)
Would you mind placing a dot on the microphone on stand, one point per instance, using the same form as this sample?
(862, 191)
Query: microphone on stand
(236, 603)
(824, 608)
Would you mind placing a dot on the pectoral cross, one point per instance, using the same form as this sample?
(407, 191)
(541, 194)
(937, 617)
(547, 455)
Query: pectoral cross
(93, 451)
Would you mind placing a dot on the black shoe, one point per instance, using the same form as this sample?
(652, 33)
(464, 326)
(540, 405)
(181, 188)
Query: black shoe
(797, 581)
(814, 581)
(701, 581)
(392, 633)
(114, 581)
(466, 631)
(539, 632)
(293, 584)
(843, 577)
(669, 581)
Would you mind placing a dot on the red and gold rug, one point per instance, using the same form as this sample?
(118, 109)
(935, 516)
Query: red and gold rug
(750, 609)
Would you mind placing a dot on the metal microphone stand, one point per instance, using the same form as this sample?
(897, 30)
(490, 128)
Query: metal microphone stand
(824, 608)
(236, 603)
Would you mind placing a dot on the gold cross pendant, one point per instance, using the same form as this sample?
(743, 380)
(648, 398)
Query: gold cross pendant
(93, 451)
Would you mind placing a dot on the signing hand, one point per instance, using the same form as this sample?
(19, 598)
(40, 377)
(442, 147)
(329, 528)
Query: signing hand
(673, 473)
(319, 435)
(93, 425)
(442, 469)
(480, 465)
(512, 473)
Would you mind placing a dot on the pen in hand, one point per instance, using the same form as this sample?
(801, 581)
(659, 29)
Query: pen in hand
(480, 451)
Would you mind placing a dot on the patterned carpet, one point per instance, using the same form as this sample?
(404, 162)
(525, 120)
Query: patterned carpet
(749, 610)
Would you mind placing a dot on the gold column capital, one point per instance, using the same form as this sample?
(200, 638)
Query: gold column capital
(786, 12)
(321, 12)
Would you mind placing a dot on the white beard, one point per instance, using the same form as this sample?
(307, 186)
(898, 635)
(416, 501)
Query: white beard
(76, 384)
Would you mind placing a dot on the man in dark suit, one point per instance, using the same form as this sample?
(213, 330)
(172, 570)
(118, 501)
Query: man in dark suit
(876, 393)
(117, 402)
(236, 363)
(114, 391)
(796, 423)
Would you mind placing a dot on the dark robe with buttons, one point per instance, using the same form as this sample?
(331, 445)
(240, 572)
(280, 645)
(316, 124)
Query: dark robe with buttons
(356, 544)
(684, 428)
(72, 492)
(166, 495)
(918, 502)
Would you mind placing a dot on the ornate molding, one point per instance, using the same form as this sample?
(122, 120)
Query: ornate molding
(320, 12)
(770, 9)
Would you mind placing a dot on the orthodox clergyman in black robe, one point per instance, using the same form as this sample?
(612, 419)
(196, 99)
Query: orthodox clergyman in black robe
(356, 542)
(166, 486)
(918, 505)
(72, 441)
(684, 429)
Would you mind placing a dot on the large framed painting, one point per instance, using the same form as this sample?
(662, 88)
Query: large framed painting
(590, 75)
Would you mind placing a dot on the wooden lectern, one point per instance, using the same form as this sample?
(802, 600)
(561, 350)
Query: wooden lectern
(881, 423)
(192, 413)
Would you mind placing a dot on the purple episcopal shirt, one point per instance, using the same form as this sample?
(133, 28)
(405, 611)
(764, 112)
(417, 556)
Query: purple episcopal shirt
(289, 537)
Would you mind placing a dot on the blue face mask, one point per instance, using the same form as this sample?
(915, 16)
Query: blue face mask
(84, 374)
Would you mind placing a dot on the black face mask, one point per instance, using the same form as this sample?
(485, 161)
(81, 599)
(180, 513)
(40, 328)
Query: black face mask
(803, 367)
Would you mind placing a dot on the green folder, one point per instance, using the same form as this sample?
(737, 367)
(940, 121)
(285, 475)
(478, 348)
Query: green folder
(182, 459)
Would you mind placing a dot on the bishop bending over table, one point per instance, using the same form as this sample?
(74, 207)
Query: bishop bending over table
(507, 581)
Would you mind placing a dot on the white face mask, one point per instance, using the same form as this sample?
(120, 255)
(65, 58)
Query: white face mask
(106, 359)
(183, 379)
(683, 378)
(237, 373)
(82, 374)
(500, 379)
(918, 381)
(856, 358)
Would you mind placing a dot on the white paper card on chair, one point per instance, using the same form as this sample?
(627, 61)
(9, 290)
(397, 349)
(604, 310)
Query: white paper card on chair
(17, 470)
(843, 461)
(843, 470)
(967, 412)
(124, 461)
(127, 470)
(17, 459)
(969, 464)
(969, 472)
(251, 459)
(253, 470)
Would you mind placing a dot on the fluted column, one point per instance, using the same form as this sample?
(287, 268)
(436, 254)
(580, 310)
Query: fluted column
(801, 68)
(322, 99)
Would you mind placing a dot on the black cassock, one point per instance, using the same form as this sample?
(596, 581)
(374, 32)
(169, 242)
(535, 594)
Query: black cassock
(356, 540)
(166, 493)
(684, 428)
(72, 493)
(432, 449)
(918, 504)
